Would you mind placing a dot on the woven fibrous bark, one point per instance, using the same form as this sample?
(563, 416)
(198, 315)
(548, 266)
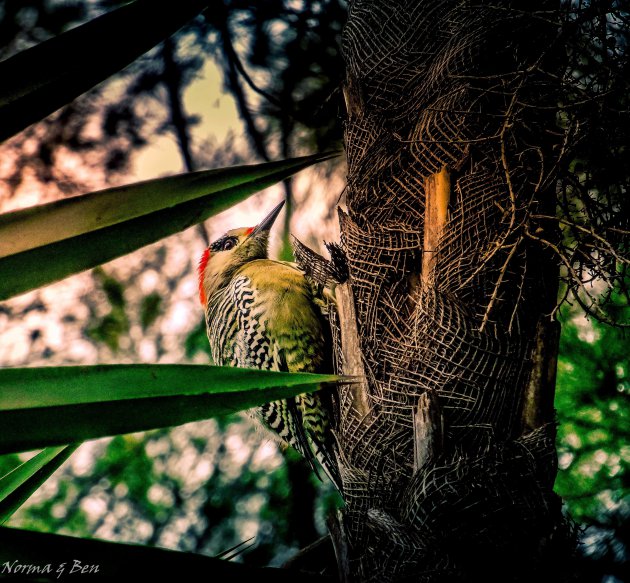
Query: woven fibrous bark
(460, 86)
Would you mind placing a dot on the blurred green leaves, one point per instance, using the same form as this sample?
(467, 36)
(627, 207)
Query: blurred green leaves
(215, 484)
(593, 407)
(150, 309)
(115, 323)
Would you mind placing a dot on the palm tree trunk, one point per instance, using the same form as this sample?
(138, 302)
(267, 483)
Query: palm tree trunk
(447, 443)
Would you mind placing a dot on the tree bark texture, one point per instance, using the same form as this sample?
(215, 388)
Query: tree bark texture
(447, 451)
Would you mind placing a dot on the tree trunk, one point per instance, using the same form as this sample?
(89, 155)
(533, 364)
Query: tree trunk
(447, 451)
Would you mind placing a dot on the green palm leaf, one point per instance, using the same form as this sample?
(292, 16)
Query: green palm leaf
(40, 80)
(41, 407)
(17, 486)
(45, 243)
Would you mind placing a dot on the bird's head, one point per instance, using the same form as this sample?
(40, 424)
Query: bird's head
(231, 251)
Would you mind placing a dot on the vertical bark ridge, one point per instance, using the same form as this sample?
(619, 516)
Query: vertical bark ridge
(457, 85)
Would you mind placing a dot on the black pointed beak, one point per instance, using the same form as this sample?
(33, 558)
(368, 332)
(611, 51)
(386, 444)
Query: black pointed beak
(266, 224)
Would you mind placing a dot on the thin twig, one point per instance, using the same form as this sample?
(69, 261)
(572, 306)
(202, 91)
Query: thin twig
(497, 285)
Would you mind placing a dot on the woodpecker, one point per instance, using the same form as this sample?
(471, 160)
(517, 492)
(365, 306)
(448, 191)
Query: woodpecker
(265, 314)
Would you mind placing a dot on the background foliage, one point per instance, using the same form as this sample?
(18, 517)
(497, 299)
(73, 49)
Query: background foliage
(593, 411)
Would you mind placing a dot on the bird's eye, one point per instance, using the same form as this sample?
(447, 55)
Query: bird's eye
(228, 244)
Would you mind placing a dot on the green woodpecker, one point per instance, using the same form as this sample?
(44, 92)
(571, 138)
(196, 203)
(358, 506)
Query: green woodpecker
(264, 314)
